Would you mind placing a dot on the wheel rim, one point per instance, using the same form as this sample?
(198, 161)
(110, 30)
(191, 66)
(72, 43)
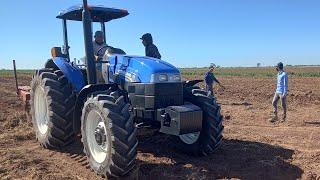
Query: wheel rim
(189, 138)
(40, 109)
(98, 147)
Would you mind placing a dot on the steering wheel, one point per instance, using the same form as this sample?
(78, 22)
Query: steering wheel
(99, 50)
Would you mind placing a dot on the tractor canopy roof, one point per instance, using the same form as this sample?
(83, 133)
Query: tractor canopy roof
(98, 13)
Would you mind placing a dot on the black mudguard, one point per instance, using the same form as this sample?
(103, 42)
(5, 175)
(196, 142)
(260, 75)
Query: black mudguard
(191, 82)
(82, 96)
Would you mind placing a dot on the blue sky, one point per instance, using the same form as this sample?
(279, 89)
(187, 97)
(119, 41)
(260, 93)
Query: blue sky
(188, 33)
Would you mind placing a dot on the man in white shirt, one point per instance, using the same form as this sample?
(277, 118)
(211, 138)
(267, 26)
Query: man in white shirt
(98, 43)
(281, 93)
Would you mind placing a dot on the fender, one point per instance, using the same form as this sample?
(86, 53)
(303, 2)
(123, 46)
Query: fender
(73, 73)
(191, 82)
(82, 96)
(51, 64)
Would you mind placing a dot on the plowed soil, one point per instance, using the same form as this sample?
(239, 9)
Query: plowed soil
(253, 148)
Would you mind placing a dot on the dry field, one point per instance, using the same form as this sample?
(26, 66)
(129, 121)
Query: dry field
(252, 148)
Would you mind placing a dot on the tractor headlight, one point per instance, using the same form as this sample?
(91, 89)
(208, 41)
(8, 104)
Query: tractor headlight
(163, 77)
(174, 78)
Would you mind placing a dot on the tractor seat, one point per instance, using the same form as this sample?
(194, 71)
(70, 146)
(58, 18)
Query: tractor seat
(111, 50)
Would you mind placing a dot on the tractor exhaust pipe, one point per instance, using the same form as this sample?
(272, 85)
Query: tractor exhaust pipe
(87, 31)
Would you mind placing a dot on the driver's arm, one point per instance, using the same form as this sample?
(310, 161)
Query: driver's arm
(97, 58)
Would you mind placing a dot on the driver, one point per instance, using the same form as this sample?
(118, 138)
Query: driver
(98, 41)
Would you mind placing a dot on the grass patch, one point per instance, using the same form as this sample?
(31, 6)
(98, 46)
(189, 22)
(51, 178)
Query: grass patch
(19, 72)
(238, 71)
(252, 72)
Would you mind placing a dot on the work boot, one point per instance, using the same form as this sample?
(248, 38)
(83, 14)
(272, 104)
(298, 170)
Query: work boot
(274, 119)
(284, 117)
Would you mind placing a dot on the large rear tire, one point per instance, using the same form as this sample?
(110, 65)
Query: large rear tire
(210, 137)
(52, 103)
(109, 134)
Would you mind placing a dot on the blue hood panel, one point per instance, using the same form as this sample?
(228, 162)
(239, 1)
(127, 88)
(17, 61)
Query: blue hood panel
(143, 67)
(152, 64)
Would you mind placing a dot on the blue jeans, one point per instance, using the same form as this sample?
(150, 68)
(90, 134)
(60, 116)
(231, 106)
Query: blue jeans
(209, 88)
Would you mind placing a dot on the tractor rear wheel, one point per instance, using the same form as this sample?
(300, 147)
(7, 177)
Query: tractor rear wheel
(109, 134)
(210, 137)
(52, 103)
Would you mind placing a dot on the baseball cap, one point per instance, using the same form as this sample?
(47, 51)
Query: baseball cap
(146, 36)
(98, 33)
(280, 65)
(212, 65)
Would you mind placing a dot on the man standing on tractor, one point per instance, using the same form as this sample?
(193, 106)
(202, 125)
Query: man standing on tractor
(281, 93)
(210, 79)
(98, 41)
(151, 49)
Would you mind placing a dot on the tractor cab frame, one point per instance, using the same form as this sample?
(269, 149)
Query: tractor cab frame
(99, 14)
(88, 14)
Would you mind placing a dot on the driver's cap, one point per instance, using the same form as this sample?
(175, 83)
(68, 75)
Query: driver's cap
(212, 65)
(98, 33)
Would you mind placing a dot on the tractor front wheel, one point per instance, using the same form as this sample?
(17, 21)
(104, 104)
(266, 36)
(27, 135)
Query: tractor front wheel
(209, 138)
(109, 134)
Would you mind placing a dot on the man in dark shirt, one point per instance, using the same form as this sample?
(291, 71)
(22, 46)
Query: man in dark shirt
(151, 49)
(210, 79)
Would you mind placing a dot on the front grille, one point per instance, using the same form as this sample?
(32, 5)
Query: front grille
(157, 95)
(165, 101)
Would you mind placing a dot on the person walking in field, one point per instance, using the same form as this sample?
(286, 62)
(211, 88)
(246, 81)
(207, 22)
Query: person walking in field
(281, 93)
(210, 79)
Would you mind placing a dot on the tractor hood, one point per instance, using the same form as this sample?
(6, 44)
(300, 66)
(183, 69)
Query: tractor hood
(142, 67)
(152, 65)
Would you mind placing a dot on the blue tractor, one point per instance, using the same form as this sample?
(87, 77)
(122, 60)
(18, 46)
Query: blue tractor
(67, 101)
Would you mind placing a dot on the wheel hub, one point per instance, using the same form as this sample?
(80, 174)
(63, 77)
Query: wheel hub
(97, 136)
(100, 135)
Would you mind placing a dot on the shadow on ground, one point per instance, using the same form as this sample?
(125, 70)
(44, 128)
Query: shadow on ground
(234, 159)
(313, 122)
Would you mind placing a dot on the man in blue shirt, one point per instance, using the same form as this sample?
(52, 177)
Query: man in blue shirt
(210, 79)
(281, 93)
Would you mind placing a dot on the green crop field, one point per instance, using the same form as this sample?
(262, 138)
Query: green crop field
(20, 72)
(252, 72)
(239, 71)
